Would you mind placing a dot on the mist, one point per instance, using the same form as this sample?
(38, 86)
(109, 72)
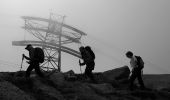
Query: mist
(113, 27)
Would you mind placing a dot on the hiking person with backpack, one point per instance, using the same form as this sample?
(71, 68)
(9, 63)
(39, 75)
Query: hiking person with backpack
(88, 57)
(137, 65)
(35, 58)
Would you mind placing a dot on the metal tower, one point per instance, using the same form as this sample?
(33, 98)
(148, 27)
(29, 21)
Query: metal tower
(53, 36)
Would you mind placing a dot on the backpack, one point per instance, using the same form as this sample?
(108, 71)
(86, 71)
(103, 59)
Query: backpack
(90, 56)
(140, 62)
(39, 54)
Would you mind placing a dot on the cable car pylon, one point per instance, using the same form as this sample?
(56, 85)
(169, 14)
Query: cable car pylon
(53, 36)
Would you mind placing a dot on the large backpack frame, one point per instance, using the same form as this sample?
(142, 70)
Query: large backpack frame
(39, 54)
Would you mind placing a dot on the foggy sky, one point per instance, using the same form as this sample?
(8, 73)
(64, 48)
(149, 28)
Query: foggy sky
(112, 26)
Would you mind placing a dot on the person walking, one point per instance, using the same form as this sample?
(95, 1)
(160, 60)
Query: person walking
(137, 65)
(33, 61)
(88, 57)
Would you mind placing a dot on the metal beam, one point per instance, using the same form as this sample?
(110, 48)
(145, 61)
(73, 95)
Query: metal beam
(52, 21)
(48, 45)
(55, 33)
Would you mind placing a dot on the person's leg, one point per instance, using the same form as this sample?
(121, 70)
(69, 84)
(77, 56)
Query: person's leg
(140, 80)
(91, 68)
(132, 79)
(91, 76)
(28, 71)
(37, 70)
(86, 73)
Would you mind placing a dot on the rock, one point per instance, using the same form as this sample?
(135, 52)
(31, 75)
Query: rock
(167, 89)
(48, 92)
(88, 96)
(104, 88)
(6, 76)
(99, 77)
(70, 76)
(77, 87)
(79, 91)
(117, 74)
(85, 92)
(10, 92)
(70, 72)
(20, 74)
(13, 86)
(57, 78)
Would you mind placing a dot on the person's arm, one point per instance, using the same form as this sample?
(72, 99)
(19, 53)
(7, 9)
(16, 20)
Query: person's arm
(26, 57)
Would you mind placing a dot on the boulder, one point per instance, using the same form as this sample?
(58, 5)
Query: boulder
(46, 91)
(79, 91)
(104, 88)
(20, 74)
(117, 74)
(9, 91)
(70, 76)
(77, 87)
(70, 72)
(57, 78)
(82, 92)
(88, 96)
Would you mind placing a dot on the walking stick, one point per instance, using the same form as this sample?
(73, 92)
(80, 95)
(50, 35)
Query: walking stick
(22, 62)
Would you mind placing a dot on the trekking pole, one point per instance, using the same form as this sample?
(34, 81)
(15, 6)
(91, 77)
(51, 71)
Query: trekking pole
(22, 62)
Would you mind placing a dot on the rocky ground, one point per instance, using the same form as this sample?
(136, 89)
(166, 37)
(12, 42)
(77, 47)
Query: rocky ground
(110, 85)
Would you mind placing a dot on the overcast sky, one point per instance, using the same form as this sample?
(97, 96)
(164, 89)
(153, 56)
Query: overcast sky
(112, 26)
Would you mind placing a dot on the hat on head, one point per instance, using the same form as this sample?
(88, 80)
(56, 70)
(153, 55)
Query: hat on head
(28, 46)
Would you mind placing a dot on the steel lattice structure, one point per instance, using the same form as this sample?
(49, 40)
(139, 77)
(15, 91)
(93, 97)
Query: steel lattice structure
(52, 35)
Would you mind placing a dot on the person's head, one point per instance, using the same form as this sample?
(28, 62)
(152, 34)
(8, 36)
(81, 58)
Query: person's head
(129, 54)
(29, 47)
(81, 49)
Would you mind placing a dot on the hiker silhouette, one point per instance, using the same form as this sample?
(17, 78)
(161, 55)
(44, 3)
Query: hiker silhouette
(88, 57)
(137, 65)
(33, 61)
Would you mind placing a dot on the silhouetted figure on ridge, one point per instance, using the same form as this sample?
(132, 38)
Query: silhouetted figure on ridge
(137, 65)
(34, 59)
(88, 57)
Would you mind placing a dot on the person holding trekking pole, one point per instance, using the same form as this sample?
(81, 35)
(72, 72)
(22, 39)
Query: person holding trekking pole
(33, 61)
(88, 59)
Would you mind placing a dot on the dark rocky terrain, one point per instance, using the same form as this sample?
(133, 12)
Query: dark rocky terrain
(110, 85)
